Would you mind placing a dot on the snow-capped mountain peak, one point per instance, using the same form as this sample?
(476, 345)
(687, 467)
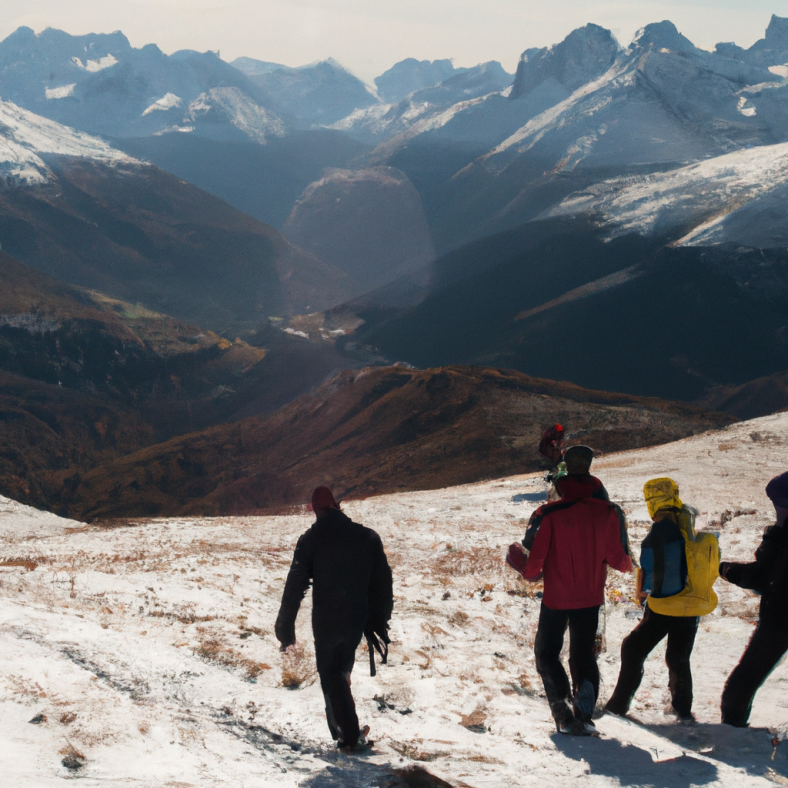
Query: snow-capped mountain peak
(26, 137)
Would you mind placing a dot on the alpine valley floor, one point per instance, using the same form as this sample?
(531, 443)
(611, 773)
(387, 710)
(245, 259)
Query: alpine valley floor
(146, 649)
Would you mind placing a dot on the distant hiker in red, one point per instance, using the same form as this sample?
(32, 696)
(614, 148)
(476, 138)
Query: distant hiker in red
(768, 576)
(550, 444)
(572, 542)
(351, 597)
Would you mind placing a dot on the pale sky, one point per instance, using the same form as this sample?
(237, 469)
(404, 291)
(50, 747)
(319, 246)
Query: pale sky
(369, 36)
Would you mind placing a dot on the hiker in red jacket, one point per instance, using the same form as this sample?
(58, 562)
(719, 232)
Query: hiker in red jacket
(577, 538)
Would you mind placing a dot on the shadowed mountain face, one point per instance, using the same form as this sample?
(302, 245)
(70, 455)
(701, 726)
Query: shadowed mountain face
(410, 75)
(554, 300)
(263, 181)
(375, 431)
(585, 54)
(318, 94)
(143, 235)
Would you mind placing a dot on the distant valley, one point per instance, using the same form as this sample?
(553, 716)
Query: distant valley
(188, 244)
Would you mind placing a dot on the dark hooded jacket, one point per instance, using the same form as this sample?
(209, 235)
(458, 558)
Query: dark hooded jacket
(767, 574)
(352, 585)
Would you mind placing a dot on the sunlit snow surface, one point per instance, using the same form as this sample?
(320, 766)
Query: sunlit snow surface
(64, 91)
(137, 643)
(725, 198)
(95, 65)
(166, 102)
(24, 136)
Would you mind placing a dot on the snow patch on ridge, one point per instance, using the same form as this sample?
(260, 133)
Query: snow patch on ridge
(166, 102)
(62, 92)
(248, 117)
(95, 65)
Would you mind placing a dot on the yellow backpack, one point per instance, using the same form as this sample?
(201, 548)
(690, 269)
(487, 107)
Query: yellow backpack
(703, 564)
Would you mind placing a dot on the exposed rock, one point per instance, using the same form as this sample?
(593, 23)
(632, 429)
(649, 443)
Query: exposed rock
(584, 55)
(410, 75)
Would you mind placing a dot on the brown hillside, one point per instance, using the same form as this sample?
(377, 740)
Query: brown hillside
(145, 236)
(86, 378)
(758, 397)
(374, 431)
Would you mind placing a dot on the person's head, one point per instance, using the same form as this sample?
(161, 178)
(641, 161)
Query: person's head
(578, 460)
(777, 490)
(662, 497)
(323, 501)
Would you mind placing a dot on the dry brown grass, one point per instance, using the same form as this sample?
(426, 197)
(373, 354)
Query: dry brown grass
(412, 751)
(485, 561)
(212, 650)
(298, 667)
(26, 563)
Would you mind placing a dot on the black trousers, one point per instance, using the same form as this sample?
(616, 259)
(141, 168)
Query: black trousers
(334, 666)
(582, 624)
(680, 631)
(766, 648)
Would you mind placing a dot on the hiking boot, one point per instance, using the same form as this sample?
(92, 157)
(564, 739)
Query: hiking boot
(361, 742)
(585, 701)
(578, 728)
(562, 714)
(682, 719)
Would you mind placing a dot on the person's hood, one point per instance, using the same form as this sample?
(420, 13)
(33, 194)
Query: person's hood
(662, 493)
(577, 486)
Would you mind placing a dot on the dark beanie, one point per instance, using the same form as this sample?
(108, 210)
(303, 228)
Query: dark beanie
(777, 490)
(323, 499)
(578, 459)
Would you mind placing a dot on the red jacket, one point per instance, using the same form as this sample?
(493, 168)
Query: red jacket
(578, 537)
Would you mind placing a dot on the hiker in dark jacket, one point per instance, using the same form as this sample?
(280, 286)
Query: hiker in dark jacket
(351, 597)
(768, 576)
(573, 541)
(662, 575)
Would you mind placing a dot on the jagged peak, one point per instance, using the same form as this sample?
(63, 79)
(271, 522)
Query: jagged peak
(777, 31)
(662, 35)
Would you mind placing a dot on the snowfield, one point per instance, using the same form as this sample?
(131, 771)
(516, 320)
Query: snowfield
(725, 198)
(146, 650)
(25, 136)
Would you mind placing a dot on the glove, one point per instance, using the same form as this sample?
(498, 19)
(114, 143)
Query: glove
(517, 558)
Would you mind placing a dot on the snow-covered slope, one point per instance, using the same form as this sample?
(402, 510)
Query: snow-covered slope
(429, 108)
(219, 111)
(101, 84)
(738, 197)
(25, 137)
(663, 100)
(149, 648)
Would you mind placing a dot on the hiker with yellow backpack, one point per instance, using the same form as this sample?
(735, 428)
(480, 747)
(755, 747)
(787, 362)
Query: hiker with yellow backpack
(677, 571)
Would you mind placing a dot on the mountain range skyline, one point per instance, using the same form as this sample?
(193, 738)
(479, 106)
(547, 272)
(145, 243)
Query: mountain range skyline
(369, 38)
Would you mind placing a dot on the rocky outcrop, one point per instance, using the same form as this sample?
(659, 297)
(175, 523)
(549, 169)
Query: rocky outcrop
(584, 55)
(410, 75)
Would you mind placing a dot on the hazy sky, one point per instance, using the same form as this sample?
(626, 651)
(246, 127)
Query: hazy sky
(368, 36)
